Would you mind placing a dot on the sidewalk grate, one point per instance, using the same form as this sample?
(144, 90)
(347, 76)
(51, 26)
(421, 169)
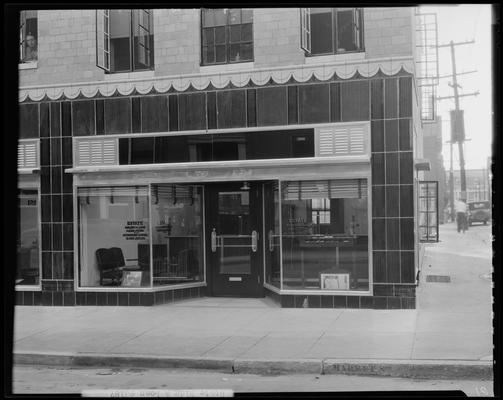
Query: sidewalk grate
(438, 278)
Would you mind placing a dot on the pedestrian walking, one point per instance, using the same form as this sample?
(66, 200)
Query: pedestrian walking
(461, 217)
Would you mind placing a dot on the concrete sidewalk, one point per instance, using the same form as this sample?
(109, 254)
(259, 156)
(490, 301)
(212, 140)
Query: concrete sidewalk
(256, 336)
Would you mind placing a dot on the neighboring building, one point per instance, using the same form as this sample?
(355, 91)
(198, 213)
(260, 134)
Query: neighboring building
(432, 145)
(478, 184)
(229, 152)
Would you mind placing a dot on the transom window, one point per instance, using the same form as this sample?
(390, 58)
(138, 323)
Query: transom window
(124, 40)
(227, 35)
(28, 36)
(331, 30)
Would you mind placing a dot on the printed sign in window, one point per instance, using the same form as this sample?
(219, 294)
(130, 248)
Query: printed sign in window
(335, 281)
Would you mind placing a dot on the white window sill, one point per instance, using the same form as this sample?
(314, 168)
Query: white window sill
(121, 76)
(334, 58)
(28, 288)
(225, 68)
(28, 65)
(27, 171)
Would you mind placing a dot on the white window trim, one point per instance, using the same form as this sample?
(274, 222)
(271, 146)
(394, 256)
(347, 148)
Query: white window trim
(223, 68)
(28, 65)
(125, 76)
(334, 58)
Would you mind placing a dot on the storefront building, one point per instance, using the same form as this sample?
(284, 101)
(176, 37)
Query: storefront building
(232, 152)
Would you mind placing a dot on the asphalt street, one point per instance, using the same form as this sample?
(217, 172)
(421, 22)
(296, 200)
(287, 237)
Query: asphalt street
(38, 379)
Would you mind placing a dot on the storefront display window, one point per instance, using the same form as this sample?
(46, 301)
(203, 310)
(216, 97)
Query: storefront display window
(325, 235)
(177, 234)
(28, 265)
(114, 238)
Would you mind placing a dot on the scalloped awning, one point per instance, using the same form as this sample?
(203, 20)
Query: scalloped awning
(259, 77)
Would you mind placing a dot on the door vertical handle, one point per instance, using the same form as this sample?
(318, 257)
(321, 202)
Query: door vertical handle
(271, 243)
(254, 238)
(213, 241)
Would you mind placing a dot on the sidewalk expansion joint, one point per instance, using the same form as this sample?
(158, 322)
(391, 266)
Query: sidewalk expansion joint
(215, 346)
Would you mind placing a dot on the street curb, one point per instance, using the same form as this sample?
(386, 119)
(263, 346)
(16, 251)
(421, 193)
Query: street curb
(275, 367)
(421, 369)
(122, 360)
(425, 369)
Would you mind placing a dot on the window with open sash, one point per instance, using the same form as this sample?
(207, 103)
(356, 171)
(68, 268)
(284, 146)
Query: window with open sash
(226, 36)
(124, 40)
(331, 30)
(28, 36)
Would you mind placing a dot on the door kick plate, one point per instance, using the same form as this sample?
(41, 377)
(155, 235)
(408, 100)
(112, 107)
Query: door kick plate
(235, 279)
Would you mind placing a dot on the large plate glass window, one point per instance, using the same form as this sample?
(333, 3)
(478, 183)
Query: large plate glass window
(114, 238)
(28, 36)
(28, 260)
(226, 35)
(428, 211)
(177, 234)
(331, 30)
(325, 234)
(124, 40)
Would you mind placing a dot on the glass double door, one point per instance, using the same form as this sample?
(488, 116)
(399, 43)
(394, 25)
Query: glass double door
(234, 239)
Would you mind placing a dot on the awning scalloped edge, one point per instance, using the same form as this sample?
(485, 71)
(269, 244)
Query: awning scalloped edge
(258, 77)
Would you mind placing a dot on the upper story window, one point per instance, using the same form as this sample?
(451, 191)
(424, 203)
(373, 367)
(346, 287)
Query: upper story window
(28, 35)
(227, 35)
(124, 40)
(331, 30)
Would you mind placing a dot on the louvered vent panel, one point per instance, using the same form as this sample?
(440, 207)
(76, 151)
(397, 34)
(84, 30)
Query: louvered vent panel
(357, 140)
(109, 152)
(27, 153)
(326, 142)
(343, 140)
(96, 152)
(84, 153)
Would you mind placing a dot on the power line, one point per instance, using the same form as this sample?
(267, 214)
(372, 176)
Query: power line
(457, 125)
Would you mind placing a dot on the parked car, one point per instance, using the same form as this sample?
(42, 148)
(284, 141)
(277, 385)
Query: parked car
(479, 211)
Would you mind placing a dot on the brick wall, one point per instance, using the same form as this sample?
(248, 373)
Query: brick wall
(389, 32)
(177, 39)
(277, 37)
(66, 49)
(67, 42)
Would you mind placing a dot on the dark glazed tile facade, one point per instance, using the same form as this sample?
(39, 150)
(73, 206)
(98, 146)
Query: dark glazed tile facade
(386, 102)
(272, 106)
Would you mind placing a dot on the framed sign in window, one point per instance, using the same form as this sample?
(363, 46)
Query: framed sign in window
(132, 278)
(334, 281)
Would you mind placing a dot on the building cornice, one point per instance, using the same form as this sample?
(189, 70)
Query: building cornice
(244, 78)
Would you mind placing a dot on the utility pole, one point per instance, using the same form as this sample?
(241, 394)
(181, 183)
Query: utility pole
(457, 122)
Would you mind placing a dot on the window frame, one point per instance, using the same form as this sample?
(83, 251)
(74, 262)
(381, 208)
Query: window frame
(134, 27)
(34, 187)
(370, 246)
(334, 35)
(22, 39)
(151, 288)
(227, 41)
